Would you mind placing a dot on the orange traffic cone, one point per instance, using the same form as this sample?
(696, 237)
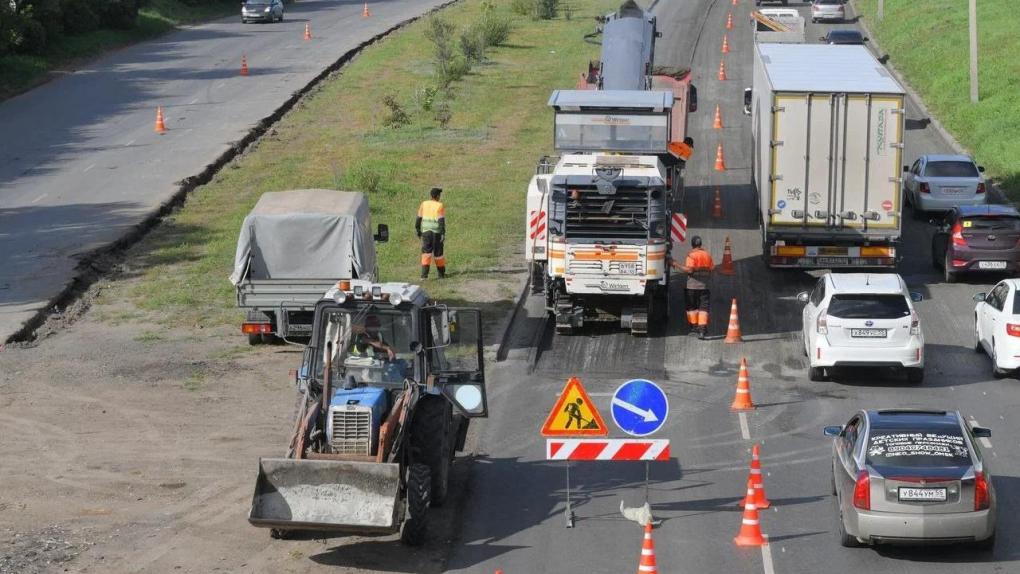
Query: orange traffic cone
(722, 72)
(742, 399)
(729, 21)
(727, 260)
(717, 205)
(725, 44)
(733, 331)
(244, 65)
(308, 31)
(720, 163)
(364, 11)
(647, 563)
(760, 501)
(750, 527)
(736, 2)
(160, 125)
(717, 122)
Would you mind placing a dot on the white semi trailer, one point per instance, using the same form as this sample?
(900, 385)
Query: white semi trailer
(827, 136)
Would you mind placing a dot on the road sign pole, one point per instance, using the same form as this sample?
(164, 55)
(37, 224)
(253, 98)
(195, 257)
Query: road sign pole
(647, 472)
(973, 52)
(569, 511)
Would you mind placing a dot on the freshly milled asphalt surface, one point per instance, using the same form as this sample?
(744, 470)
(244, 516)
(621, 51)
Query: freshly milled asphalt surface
(80, 164)
(514, 518)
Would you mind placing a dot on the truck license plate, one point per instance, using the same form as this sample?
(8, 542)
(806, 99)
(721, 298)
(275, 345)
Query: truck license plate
(833, 260)
(910, 493)
(991, 264)
(868, 333)
(628, 268)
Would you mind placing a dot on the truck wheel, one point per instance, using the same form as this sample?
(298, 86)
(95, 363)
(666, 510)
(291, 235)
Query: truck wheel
(816, 373)
(432, 443)
(416, 521)
(254, 340)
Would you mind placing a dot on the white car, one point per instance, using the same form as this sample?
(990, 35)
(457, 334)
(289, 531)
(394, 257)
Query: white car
(997, 326)
(862, 320)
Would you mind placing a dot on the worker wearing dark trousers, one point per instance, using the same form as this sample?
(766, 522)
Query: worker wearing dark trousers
(698, 266)
(431, 229)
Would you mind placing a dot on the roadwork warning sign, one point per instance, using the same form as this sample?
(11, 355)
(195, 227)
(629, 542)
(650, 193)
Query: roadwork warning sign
(574, 414)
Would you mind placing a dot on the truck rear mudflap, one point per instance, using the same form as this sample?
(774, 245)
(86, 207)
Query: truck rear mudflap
(327, 495)
(832, 256)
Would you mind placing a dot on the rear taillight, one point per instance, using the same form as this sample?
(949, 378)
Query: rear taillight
(957, 235)
(822, 323)
(256, 328)
(981, 499)
(981, 188)
(923, 188)
(862, 491)
(915, 323)
(1013, 330)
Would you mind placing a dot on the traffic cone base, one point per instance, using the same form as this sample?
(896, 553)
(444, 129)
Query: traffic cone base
(742, 398)
(733, 330)
(160, 124)
(647, 563)
(750, 527)
(720, 163)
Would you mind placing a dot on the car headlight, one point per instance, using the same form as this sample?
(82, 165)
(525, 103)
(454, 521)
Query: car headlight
(267, 9)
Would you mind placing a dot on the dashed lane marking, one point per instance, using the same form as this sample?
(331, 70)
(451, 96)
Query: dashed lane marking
(766, 557)
(745, 432)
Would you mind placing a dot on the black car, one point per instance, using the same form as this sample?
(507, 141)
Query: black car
(977, 238)
(848, 37)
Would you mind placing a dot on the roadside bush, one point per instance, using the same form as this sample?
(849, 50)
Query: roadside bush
(33, 37)
(441, 33)
(120, 14)
(472, 45)
(79, 16)
(523, 7)
(395, 116)
(547, 9)
(425, 98)
(363, 177)
(494, 28)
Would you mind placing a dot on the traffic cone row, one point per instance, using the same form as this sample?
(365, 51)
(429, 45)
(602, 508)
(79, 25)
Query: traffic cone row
(717, 205)
(717, 122)
(750, 525)
(742, 399)
(725, 44)
(160, 124)
(647, 563)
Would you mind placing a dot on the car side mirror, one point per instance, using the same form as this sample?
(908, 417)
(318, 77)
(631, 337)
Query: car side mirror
(916, 297)
(803, 296)
(981, 168)
(832, 431)
(864, 39)
(906, 168)
(979, 297)
(384, 233)
(748, 96)
(981, 432)
(821, 38)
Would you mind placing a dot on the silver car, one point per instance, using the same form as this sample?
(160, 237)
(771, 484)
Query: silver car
(942, 182)
(829, 10)
(261, 11)
(911, 476)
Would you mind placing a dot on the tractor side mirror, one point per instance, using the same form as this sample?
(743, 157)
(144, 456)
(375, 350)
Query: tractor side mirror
(832, 431)
(383, 235)
(979, 297)
(692, 99)
(748, 95)
(803, 296)
(916, 297)
(906, 168)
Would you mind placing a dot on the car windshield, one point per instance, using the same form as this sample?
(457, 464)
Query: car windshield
(950, 169)
(828, 2)
(992, 223)
(868, 306)
(916, 449)
(845, 37)
(371, 343)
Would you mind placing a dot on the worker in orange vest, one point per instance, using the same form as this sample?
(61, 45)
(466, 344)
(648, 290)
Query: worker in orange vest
(698, 266)
(431, 229)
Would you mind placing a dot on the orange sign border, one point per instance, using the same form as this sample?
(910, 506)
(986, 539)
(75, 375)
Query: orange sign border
(574, 382)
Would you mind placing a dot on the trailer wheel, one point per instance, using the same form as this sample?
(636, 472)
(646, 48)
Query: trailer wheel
(432, 443)
(416, 523)
(254, 340)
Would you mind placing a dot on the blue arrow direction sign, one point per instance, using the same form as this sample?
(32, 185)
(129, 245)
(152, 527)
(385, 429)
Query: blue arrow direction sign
(640, 407)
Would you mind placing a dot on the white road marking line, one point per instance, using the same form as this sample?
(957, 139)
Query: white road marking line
(129, 143)
(983, 440)
(38, 199)
(766, 557)
(88, 168)
(221, 84)
(745, 432)
(194, 101)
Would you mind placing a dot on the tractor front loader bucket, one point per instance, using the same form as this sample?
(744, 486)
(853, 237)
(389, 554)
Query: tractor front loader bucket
(327, 495)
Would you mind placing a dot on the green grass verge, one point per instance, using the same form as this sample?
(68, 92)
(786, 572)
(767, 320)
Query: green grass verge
(335, 139)
(19, 72)
(929, 47)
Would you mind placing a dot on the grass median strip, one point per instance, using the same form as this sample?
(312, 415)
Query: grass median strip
(482, 154)
(930, 48)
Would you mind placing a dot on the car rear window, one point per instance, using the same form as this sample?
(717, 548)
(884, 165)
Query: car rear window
(828, 2)
(950, 169)
(917, 449)
(845, 36)
(991, 223)
(868, 306)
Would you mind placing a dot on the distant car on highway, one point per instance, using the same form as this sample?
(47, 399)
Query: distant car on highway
(261, 11)
(911, 476)
(760, 2)
(997, 326)
(829, 10)
(941, 182)
(977, 238)
(862, 320)
(843, 36)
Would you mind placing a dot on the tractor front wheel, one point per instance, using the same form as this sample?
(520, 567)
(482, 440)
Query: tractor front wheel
(432, 442)
(416, 521)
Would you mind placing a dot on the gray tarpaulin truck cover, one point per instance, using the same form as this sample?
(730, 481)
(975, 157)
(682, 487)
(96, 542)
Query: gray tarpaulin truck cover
(306, 234)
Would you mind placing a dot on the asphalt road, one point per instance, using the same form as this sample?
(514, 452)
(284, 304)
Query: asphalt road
(80, 163)
(515, 507)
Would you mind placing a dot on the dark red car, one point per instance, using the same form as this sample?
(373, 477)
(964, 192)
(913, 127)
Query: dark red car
(977, 238)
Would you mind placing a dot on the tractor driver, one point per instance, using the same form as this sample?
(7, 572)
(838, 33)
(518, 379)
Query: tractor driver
(369, 342)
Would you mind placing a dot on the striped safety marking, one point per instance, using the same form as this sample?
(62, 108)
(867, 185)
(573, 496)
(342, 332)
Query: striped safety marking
(678, 228)
(537, 224)
(606, 449)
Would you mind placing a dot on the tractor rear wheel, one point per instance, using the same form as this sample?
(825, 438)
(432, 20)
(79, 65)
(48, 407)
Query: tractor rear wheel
(416, 521)
(432, 442)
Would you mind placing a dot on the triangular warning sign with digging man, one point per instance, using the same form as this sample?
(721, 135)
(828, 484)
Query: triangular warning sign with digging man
(574, 414)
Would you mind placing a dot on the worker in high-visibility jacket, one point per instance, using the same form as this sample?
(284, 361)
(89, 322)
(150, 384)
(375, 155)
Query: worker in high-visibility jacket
(698, 266)
(431, 228)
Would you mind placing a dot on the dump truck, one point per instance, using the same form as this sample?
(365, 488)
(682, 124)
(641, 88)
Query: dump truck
(387, 387)
(827, 141)
(293, 246)
(597, 229)
(777, 25)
